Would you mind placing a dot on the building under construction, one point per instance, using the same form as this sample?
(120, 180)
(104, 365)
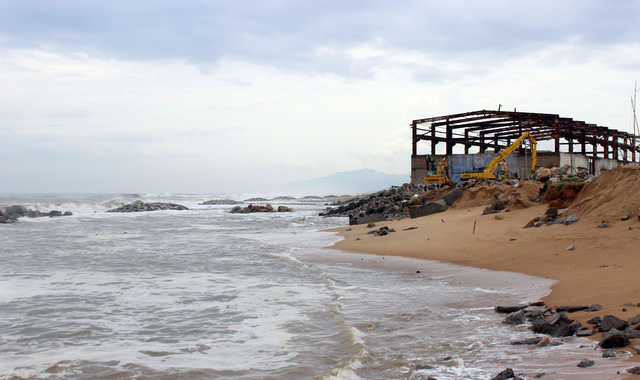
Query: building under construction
(478, 136)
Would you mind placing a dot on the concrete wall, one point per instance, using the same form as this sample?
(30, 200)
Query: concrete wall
(419, 166)
(578, 162)
(518, 163)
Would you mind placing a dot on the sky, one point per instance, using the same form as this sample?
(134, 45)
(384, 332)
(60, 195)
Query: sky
(219, 96)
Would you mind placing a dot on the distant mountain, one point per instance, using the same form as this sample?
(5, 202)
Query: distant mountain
(352, 182)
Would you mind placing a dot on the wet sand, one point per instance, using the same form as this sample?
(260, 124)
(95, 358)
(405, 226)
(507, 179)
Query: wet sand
(603, 268)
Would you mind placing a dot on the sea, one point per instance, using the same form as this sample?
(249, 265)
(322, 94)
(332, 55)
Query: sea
(208, 294)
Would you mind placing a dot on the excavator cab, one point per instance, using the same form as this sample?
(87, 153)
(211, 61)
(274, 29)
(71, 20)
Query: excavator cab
(440, 176)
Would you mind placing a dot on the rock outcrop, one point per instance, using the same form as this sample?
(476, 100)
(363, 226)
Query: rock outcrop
(140, 206)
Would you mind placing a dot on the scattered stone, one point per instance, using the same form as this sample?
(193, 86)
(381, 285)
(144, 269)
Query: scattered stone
(348, 229)
(54, 213)
(570, 309)
(509, 309)
(612, 322)
(528, 342)
(516, 318)
(604, 225)
(533, 312)
(558, 325)
(371, 225)
(595, 307)
(540, 375)
(410, 228)
(415, 201)
(235, 209)
(634, 320)
(499, 217)
(570, 219)
(504, 375)
(626, 217)
(284, 209)
(594, 320)
(585, 363)
(545, 341)
(570, 248)
(357, 239)
(609, 354)
(637, 348)
(632, 333)
(614, 339)
(428, 209)
(634, 371)
(585, 332)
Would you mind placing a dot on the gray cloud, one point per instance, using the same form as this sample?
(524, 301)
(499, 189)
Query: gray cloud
(287, 34)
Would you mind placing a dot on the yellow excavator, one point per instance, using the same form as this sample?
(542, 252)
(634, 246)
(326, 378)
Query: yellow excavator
(440, 176)
(489, 170)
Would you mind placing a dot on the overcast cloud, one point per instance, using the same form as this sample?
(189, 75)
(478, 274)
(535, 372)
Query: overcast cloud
(205, 96)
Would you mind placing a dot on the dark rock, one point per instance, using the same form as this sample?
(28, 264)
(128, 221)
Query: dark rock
(632, 334)
(585, 363)
(428, 209)
(235, 209)
(140, 206)
(585, 332)
(551, 213)
(609, 354)
(4, 220)
(570, 219)
(509, 309)
(558, 325)
(54, 213)
(67, 213)
(535, 311)
(34, 214)
(612, 322)
(20, 210)
(540, 375)
(614, 339)
(367, 219)
(528, 342)
(634, 370)
(626, 217)
(284, 209)
(516, 318)
(594, 321)
(496, 206)
(604, 225)
(571, 309)
(380, 232)
(595, 307)
(452, 196)
(634, 320)
(637, 348)
(504, 375)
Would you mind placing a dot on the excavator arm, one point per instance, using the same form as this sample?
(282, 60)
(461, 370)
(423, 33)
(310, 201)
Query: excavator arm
(489, 170)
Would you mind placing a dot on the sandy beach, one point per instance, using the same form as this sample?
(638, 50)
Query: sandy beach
(603, 267)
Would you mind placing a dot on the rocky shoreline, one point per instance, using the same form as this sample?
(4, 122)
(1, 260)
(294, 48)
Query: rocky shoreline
(11, 214)
(555, 325)
(140, 206)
